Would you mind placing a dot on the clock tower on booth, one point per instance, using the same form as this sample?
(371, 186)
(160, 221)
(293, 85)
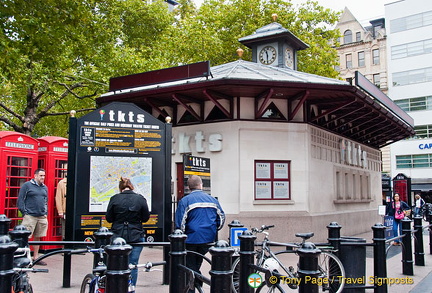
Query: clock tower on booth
(274, 45)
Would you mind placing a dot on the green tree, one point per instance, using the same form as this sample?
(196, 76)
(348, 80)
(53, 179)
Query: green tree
(58, 55)
(212, 31)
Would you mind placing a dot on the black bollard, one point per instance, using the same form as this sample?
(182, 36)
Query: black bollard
(247, 253)
(102, 238)
(4, 225)
(118, 272)
(407, 259)
(308, 268)
(418, 247)
(177, 257)
(221, 273)
(380, 262)
(20, 235)
(334, 236)
(7, 249)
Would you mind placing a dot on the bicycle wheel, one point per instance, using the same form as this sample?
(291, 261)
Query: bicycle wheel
(29, 289)
(86, 285)
(266, 289)
(331, 269)
(236, 275)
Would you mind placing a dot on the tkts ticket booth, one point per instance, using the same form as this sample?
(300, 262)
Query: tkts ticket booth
(53, 156)
(18, 161)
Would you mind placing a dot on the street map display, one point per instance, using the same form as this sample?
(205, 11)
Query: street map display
(105, 173)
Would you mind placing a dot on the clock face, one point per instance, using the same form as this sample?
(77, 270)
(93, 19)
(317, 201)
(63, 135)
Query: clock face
(267, 55)
(289, 58)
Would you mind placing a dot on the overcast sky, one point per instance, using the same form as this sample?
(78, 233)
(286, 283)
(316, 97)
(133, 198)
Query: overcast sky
(363, 10)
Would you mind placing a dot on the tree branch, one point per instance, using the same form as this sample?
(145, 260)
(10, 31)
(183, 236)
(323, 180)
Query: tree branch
(21, 118)
(66, 113)
(12, 124)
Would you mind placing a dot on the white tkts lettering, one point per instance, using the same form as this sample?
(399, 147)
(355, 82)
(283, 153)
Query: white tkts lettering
(352, 154)
(121, 116)
(214, 143)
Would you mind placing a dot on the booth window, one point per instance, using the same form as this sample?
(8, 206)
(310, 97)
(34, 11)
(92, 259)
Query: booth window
(272, 180)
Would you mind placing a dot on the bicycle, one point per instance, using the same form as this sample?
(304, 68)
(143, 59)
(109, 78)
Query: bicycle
(22, 266)
(330, 267)
(95, 282)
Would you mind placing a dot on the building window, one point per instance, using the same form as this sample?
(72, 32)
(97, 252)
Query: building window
(412, 76)
(376, 80)
(358, 36)
(411, 22)
(347, 37)
(414, 161)
(348, 61)
(411, 49)
(415, 104)
(375, 57)
(272, 180)
(361, 59)
(423, 131)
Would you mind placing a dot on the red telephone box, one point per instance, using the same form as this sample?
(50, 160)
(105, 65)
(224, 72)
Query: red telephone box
(18, 161)
(53, 156)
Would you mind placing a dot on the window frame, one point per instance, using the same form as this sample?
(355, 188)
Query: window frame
(269, 177)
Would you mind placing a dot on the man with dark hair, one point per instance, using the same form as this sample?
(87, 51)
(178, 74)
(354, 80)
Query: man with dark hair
(32, 203)
(199, 216)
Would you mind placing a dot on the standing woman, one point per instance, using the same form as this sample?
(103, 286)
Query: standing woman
(127, 211)
(396, 209)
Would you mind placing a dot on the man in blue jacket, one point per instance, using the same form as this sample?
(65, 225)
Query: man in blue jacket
(32, 203)
(199, 216)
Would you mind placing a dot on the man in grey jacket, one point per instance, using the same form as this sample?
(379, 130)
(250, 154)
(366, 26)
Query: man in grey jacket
(32, 203)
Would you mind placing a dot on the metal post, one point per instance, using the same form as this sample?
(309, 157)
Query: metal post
(177, 257)
(308, 268)
(102, 238)
(20, 235)
(4, 225)
(379, 251)
(407, 259)
(334, 236)
(247, 253)
(7, 249)
(418, 247)
(221, 273)
(118, 272)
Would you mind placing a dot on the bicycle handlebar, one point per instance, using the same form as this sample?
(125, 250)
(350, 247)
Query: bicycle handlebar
(33, 270)
(147, 266)
(263, 228)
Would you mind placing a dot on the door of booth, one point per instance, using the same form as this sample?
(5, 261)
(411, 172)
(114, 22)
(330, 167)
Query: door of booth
(18, 161)
(53, 156)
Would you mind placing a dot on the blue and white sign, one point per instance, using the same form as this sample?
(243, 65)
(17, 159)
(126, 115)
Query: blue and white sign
(235, 232)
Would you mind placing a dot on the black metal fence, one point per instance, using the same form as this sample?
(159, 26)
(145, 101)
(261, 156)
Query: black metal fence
(181, 279)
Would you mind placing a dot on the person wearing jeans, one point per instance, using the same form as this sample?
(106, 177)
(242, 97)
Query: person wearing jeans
(396, 209)
(127, 211)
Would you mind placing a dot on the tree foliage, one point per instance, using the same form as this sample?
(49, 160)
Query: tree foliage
(58, 55)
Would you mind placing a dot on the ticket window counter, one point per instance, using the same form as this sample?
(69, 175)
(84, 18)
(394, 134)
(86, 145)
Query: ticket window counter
(18, 161)
(53, 152)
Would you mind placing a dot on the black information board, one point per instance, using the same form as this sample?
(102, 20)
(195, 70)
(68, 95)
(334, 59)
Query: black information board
(119, 140)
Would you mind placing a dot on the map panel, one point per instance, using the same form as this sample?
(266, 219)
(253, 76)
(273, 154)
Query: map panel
(105, 173)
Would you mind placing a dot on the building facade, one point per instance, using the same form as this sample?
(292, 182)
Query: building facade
(409, 42)
(287, 148)
(364, 49)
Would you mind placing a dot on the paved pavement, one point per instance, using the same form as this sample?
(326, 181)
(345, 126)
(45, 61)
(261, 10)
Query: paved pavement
(152, 281)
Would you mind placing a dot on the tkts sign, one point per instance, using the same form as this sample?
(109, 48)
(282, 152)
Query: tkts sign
(352, 154)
